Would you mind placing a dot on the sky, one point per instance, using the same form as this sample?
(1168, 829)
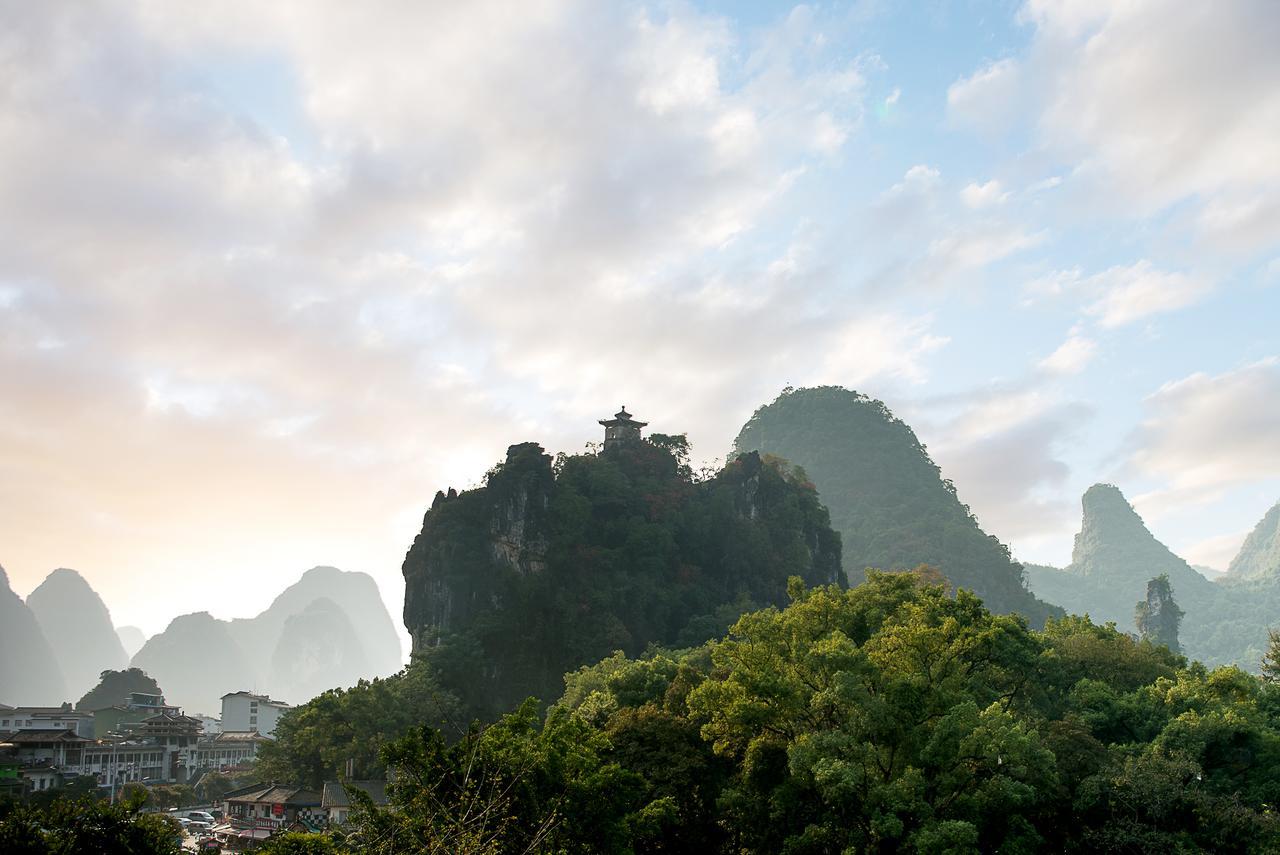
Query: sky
(273, 274)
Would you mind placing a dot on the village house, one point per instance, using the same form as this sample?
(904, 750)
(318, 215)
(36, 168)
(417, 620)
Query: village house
(257, 811)
(336, 799)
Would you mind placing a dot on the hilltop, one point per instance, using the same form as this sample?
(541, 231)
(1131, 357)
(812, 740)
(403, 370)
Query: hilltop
(887, 498)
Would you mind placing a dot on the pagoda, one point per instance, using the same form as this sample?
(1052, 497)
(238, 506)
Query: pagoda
(621, 429)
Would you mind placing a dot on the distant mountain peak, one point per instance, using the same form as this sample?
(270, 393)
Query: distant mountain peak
(79, 628)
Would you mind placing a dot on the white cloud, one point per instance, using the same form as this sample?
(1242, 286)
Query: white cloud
(988, 99)
(1136, 291)
(879, 348)
(978, 196)
(1072, 356)
(472, 226)
(1152, 108)
(1205, 433)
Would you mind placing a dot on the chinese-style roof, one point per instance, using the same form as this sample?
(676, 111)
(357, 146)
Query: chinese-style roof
(27, 737)
(622, 417)
(335, 793)
(240, 736)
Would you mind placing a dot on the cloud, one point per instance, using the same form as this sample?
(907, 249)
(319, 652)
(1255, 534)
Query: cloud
(1205, 433)
(1151, 108)
(978, 196)
(879, 348)
(1139, 290)
(466, 227)
(1002, 448)
(987, 100)
(1072, 356)
(1123, 294)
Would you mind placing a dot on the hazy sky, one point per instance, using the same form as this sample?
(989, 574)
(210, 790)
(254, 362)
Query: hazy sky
(273, 273)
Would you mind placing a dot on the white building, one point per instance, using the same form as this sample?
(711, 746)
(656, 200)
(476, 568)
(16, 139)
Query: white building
(61, 718)
(244, 711)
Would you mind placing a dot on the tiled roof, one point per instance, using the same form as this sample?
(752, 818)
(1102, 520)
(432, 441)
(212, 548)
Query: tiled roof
(335, 794)
(30, 736)
(274, 794)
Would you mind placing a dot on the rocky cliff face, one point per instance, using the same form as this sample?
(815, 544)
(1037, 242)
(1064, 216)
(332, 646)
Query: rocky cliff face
(1259, 556)
(1116, 556)
(1158, 616)
(29, 669)
(1113, 558)
(887, 498)
(78, 626)
(546, 568)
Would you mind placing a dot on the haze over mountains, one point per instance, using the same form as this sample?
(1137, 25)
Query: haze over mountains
(875, 483)
(328, 629)
(29, 669)
(303, 643)
(78, 627)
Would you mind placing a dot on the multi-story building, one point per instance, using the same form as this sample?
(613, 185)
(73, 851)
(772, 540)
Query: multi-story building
(60, 718)
(228, 749)
(243, 711)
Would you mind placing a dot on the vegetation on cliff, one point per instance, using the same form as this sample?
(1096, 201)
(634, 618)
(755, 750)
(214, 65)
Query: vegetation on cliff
(887, 498)
(551, 565)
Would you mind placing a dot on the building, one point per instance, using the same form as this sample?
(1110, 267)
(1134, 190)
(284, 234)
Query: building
(124, 761)
(336, 801)
(128, 716)
(257, 811)
(176, 735)
(621, 429)
(60, 718)
(242, 711)
(228, 749)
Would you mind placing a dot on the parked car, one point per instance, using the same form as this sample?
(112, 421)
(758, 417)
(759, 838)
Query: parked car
(201, 815)
(196, 826)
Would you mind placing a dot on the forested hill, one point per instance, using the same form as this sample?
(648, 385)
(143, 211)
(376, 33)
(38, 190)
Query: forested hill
(887, 498)
(550, 566)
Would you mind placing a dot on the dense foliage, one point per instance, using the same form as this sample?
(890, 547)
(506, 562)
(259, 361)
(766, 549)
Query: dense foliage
(315, 741)
(72, 826)
(887, 498)
(114, 687)
(548, 567)
(887, 718)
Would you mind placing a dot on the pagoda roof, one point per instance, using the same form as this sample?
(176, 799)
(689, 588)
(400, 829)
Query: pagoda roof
(622, 417)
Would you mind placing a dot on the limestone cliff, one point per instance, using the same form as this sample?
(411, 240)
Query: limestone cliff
(550, 566)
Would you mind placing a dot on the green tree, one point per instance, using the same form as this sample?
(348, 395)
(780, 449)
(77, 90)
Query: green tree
(74, 826)
(114, 687)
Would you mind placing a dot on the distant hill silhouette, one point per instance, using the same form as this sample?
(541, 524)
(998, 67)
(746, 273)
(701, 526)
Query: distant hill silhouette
(29, 669)
(284, 651)
(1259, 556)
(131, 638)
(78, 626)
(887, 498)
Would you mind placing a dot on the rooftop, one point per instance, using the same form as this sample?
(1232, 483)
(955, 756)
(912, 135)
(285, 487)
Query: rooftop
(335, 793)
(274, 794)
(263, 699)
